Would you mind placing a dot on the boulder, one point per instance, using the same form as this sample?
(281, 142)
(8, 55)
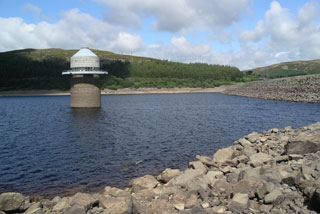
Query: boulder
(34, 209)
(244, 142)
(249, 172)
(303, 144)
(179, 206)
(11, 201)
(115, 192)
(83, 199)
(253, 137)
(205, 160)
(62, 204)
(239, 203)
(119, 205)
(223, 155)
(145, 182)
(264, 189)
(248, 186)
(258, 159)
(191, 201)
(219, 209)
(168, 174)
(198, 165)
(187, 176)
(222, 187)
(75, 209)
(290, 178)
(275, 197)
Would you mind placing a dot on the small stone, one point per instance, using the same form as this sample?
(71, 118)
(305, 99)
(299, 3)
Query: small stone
(205, 205)
(219, 209)
(179, 206)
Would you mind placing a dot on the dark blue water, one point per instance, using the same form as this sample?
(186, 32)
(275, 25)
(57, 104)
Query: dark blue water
(47, 148)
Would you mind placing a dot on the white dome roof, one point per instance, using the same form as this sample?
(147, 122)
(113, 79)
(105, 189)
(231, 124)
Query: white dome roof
(84, 58)
(84, 52)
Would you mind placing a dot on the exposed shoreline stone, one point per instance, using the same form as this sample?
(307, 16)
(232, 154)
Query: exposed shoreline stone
(266, 172)
(297, 89)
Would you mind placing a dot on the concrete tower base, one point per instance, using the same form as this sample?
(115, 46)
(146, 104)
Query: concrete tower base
(85, 91)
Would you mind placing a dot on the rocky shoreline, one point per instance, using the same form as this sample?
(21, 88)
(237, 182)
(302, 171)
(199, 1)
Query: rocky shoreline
(276, 171)
(296, 89)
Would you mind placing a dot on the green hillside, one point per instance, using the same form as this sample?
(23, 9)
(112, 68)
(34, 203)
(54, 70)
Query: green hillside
(287, 69)
(41, 69)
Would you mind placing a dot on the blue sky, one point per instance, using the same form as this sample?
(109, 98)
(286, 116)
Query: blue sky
(242, 33)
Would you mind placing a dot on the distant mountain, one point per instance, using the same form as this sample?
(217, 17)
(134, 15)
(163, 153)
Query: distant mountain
(287, 69)
(42, 68)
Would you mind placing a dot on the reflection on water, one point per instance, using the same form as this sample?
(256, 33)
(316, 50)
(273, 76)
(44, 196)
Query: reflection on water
(46, 147)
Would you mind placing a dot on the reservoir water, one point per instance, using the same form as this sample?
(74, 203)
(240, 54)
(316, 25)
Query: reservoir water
(47, 148)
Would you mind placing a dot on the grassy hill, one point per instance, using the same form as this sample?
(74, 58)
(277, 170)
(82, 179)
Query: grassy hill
(287, 69)
(41, 69)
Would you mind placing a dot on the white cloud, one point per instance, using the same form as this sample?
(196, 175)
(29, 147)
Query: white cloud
(174, 16)
(32, 8)
(297, 35)
(73, 30)
(254, 35)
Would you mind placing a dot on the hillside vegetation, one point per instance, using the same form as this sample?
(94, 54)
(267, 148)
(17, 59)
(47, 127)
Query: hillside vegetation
(41, 69)
(287, 69)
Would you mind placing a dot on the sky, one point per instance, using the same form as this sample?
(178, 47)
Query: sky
(242, 33)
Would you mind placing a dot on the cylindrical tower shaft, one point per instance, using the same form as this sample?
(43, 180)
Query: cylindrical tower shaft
(85, 91)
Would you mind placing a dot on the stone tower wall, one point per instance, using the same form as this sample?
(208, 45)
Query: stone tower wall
(85, 91)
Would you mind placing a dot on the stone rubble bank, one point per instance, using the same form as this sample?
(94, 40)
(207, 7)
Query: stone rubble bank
(296, 89)
(276, 171)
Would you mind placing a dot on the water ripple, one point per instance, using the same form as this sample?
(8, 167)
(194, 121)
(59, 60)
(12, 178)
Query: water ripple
(48, 148)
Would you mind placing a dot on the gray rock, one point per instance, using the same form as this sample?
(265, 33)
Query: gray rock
(259, 159)
(220, 187)
(253, 137)
(242, 159)
(115, 192)
(205, 160)
(75, 209)
(145, 182)
(219, 209)
(275, 197)
(249, 172)
(191, 201)
(290, 178)
(248, 186)
(223, 155)
(244, 142)
(198, 165)
(198, 210)
(11, 201)
(168, 174)
(303, 144)
(34, 209)
(239, 203)
(84, 200)
(119, 205)
(187, 176)
(233, 178)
